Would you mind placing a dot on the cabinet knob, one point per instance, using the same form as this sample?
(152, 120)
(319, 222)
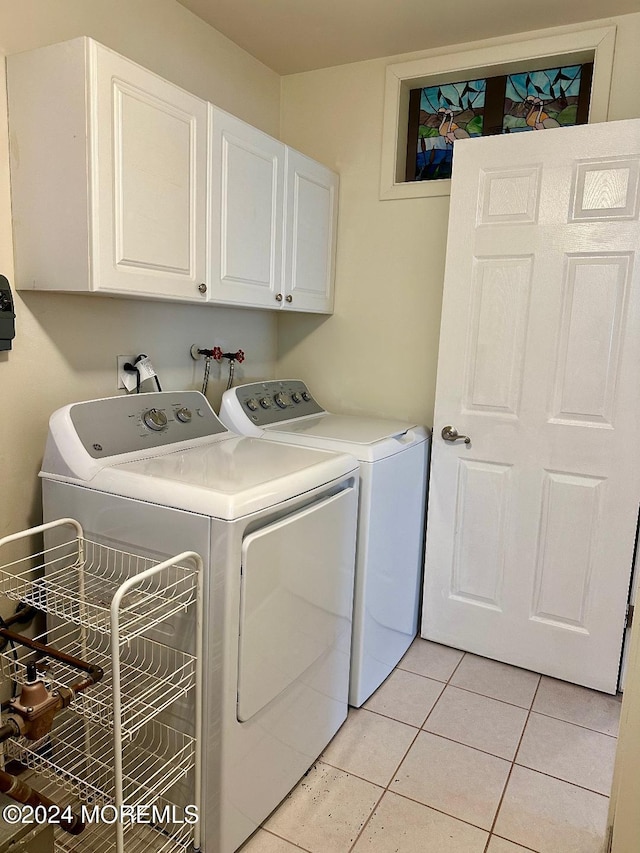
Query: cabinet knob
(278, 297)
(289, 297)
(202, 288)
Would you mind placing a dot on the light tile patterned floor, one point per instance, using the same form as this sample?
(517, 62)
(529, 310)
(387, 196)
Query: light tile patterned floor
(457, 754)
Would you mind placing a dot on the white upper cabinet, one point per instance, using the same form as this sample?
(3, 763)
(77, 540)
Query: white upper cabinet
(246, 205)
(272, 216)
(108, 169)
(124, 184)
(310, 234)
(149, 178)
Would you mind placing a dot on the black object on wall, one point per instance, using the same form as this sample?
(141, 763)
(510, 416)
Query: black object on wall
(7, 315)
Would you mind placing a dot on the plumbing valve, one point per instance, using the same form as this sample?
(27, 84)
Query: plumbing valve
(33, 711)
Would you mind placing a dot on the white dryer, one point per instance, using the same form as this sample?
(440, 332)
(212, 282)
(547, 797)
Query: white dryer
(393, 458)
(158, 474)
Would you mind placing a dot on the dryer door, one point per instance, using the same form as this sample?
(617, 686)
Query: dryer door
(296, 603)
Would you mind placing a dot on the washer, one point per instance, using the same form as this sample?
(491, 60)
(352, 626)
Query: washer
(158, 474)
(393, 459)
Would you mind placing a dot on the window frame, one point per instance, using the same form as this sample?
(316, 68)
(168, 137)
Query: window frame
(563, 48)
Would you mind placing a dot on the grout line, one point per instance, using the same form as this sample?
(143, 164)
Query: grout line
(350, 773)
(506, 784)
(524, 846)
(436, 809)
(421, 674)
(367, 821)
(560, 779)
(282, 838)
(388, 717)
(495, 699)
(468, 746)
(578, 725)
(442, 692)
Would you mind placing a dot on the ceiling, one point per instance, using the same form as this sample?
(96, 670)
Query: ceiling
(300, 35)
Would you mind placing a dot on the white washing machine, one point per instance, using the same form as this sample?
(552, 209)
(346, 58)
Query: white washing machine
(393, 458)
(158, 474)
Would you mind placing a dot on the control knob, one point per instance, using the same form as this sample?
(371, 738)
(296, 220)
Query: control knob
(265, 402)
(306, 396)
(282, 399)
(155, 419)
(296, 397)
(252, 405)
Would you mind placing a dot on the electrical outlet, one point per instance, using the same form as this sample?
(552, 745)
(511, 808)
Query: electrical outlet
(121, 360)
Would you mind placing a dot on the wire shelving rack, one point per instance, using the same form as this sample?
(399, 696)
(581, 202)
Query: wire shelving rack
(109, 748)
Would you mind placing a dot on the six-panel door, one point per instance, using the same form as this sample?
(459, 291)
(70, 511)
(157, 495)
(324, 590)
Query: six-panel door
(532, 524)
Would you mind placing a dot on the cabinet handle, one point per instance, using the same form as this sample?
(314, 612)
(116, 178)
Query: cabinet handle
(278, 297)
(289, 298)
(202, 288)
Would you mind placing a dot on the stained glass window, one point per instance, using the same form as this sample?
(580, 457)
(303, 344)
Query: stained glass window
(510, 103)
(536, 100)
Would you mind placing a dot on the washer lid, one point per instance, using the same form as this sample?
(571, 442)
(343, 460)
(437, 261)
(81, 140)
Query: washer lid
(356, 430)
(227, 479)
(368, 439)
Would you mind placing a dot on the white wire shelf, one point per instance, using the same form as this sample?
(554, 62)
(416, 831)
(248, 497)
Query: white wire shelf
(79, 755)
(161, 837)
(99, 838)
(108, 748)
(152, 675)
(78, 580)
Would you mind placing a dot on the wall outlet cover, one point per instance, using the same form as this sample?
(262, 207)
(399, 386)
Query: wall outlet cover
(121, 360)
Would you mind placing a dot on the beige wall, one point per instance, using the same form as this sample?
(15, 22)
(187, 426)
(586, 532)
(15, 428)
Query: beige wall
(66, 346)
(378, 352)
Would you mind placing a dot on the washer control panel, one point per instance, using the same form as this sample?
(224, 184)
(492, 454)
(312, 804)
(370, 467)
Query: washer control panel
(141, 421)
(265, 403)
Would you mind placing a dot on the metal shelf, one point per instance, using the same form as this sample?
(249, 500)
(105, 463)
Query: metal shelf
(79, 755)
(107, 748)
(100, 837)
(152, 675)
(79, 580)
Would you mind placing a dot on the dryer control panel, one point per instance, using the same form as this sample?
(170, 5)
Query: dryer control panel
(265, 403)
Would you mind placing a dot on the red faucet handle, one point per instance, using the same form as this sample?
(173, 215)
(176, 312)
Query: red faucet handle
(240, 356)
(216, 353)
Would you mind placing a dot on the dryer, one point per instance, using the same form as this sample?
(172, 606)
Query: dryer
(393, 460)
(157, 474)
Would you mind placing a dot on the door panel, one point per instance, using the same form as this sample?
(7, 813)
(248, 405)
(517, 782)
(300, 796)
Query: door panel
(499, 308)
(245, 210)
(531, 526)
(593, 315)
(296, 600)
(310, 234)
(149, 182)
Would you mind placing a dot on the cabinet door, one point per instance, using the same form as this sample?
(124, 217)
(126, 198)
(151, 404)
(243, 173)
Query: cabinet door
(246, 212)
(310, 234)
(149, 147)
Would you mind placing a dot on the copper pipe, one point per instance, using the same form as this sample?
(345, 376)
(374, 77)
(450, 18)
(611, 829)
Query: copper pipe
(23, 793)
(93, 671)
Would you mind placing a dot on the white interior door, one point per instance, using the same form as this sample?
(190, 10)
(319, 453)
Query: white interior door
(531, 525)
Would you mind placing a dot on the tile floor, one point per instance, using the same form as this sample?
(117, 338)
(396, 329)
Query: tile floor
(457, 754)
